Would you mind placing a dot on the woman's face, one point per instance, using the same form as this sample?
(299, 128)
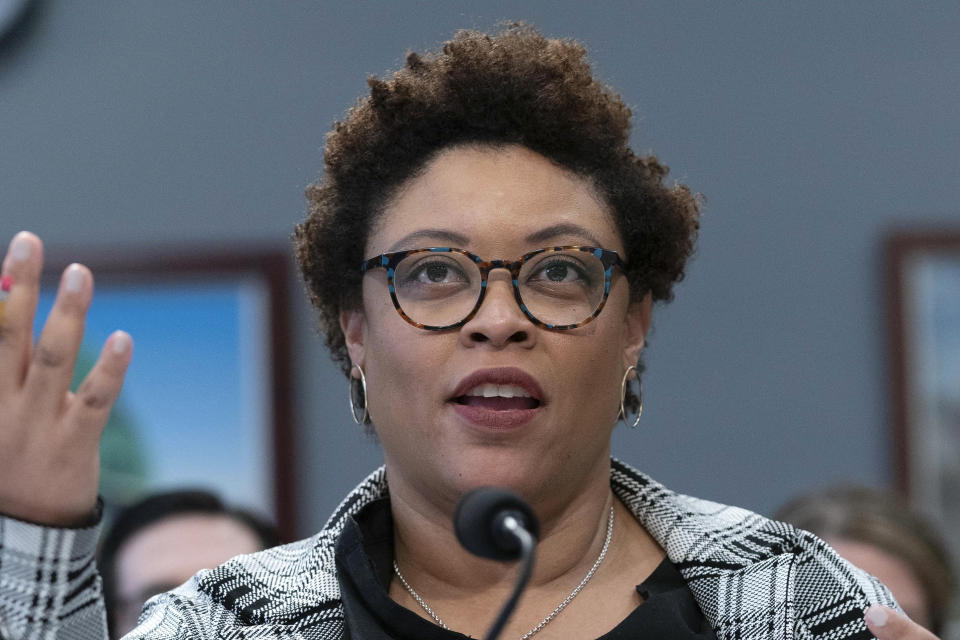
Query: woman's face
(440, 436)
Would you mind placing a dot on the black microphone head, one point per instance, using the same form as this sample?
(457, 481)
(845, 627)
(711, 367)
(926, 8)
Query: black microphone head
(478, 522)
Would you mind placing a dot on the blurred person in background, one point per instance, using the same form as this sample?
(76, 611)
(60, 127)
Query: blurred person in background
(162, 540)
(880, 534)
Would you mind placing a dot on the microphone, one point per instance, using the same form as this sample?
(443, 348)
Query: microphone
(497, 524)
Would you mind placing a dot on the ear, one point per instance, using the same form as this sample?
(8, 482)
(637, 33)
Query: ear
(636, 325)
(352, 323)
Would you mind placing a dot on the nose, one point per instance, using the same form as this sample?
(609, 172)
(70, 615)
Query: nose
(499, 320)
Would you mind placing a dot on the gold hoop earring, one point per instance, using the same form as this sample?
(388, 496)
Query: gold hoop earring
(363, 384)
(623, 398)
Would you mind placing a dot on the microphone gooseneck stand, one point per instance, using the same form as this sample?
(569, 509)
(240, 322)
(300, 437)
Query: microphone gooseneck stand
(528, 556)
(497, 524)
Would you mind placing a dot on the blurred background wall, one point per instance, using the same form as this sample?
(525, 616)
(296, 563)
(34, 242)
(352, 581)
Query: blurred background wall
(811, 128)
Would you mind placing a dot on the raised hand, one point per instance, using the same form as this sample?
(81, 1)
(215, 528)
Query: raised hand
(49, 437)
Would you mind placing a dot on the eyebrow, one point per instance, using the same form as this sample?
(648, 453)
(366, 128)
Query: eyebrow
(562, 229)
(455, 239)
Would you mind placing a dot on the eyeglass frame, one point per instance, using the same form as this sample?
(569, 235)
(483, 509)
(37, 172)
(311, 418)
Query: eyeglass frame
(389, 261)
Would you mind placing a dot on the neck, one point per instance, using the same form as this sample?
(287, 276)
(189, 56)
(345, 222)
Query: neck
(573, 528)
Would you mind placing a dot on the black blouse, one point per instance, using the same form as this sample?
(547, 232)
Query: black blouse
(364, 558)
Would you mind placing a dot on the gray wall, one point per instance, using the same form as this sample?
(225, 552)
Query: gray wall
(811, 128)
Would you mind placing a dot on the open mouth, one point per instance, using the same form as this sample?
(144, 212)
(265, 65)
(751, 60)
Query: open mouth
(498, 397)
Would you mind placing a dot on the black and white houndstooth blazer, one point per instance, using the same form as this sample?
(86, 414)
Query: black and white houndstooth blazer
(754, 579)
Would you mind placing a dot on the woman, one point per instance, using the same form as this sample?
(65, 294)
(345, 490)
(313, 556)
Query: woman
(484, 251)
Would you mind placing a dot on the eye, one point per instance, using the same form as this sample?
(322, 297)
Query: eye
(559, 270)
(435, 270)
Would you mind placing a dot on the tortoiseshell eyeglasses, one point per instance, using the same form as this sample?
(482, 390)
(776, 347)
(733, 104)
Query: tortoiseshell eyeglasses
(441, 288)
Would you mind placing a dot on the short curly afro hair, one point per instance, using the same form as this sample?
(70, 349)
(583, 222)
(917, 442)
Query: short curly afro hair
(515, 87)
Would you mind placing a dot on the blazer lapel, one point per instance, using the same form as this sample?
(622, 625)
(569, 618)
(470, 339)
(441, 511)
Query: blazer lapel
(738, 567)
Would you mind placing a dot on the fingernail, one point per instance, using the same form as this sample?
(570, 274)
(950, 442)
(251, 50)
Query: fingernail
(6, 283)
(20, 248)
(876, 616)
(120, 343)
(73, 281)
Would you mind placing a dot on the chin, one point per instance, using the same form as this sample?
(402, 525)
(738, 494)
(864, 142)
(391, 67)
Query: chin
(522, 474)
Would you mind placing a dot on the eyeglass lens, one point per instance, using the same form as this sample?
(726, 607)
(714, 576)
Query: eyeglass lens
(441, 288)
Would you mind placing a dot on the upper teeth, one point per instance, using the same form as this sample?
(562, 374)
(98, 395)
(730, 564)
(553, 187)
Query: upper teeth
(501, 390)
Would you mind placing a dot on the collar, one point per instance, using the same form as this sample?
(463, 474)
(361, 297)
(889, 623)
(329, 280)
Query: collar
(749, 575)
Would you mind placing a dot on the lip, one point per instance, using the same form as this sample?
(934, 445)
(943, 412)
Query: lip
(493, 419)
(500, 375)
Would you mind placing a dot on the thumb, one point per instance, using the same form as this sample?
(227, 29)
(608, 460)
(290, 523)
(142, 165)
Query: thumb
(887, 624)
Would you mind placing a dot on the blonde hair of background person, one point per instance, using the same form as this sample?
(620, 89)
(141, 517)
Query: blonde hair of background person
(497, 148)
(880, 534)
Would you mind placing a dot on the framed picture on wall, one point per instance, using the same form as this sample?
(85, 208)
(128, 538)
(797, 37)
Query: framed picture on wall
(923, 287)
(206, 401)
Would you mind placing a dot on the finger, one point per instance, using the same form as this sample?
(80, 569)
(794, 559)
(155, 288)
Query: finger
(90, 406)
(887, 624)
(21, 274)
(52, 361)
